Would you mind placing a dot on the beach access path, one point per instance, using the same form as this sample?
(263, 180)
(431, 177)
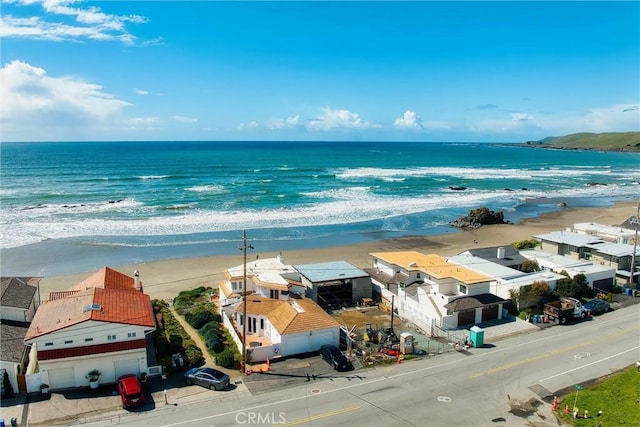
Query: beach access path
(209, 360)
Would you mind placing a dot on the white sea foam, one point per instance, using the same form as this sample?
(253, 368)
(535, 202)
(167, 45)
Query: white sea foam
(467, 173)
(153, 177)
(339, 206)
(211, 188)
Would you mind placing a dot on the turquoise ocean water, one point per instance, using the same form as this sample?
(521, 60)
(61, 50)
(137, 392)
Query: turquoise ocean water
(70, 207)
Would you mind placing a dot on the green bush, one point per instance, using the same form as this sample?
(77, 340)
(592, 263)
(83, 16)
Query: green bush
(198, 317)
(226, 359)
(194, 354)
(209, 326)
(526, 244)
(212, 334)
(215, 344)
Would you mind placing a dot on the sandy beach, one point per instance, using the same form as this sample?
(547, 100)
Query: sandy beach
(165, 279)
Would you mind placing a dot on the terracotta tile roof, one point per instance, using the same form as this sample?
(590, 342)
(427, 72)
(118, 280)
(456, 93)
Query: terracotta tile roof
(102, 305)
(432, 265)
(107, 278)
(292, 316)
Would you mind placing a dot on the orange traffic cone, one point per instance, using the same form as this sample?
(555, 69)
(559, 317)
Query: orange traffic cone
(555, 403)
(268, 366)
(248, 371)
(566, 410)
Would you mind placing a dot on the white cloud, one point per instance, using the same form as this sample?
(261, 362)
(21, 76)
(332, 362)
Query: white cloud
(36, 103)
(409, 120)
(521, 117)
(248, 126)
(331, 119)
(140, 92)
(143, 123)
(183, 119)
(288, 123)
(89, 22)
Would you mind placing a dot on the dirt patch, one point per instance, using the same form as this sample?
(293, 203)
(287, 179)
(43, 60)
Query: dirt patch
(378, 318)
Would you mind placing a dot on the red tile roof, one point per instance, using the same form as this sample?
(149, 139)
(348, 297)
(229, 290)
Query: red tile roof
(109, 305)
(107, 278)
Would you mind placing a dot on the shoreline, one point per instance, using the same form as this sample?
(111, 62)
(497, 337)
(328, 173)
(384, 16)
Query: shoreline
(164, 279)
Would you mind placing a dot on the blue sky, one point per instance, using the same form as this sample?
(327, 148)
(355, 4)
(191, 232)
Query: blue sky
(208, 70)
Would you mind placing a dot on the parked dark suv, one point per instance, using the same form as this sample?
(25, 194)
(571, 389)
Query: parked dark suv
(334, 357)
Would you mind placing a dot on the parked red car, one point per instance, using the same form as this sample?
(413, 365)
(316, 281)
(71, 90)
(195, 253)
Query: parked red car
(130, 390)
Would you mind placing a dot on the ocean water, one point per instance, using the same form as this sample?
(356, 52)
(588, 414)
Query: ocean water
(71, 207)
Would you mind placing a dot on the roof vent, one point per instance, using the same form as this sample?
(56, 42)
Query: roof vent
(91, 307)
(412, 264)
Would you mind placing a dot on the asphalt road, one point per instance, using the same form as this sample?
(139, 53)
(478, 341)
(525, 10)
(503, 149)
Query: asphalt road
(509, 384)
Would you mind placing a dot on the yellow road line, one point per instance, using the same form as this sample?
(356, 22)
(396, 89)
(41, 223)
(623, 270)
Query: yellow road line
(552, 353)
(320, 416)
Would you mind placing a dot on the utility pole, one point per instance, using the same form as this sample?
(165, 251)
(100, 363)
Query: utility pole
(244, 301)
(635, 245)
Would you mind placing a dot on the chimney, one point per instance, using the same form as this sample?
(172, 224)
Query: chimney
(136, 278)
(501, 252)
(280, 258)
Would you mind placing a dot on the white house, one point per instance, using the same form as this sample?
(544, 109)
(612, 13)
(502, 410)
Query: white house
(279, 328)
(268, 277)
(609, 233)
(598, 276)
(102, 323)
(20, 298)
(423, 286)
(18, 304)
(505, 279)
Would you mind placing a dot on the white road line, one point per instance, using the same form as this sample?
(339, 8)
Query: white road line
(589, 364)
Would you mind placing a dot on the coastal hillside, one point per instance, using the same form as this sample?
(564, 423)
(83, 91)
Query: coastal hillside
(611, 141)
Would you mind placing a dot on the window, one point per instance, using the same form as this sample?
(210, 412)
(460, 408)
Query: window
(462, 289)
(88, 339)
(111, 337)
(47, 344)
(261, 323)
(274, 293)
(131, 335)
(68, 342)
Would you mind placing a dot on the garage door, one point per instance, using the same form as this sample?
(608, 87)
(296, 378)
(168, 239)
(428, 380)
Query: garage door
(466, 317)
(490, 313)
(62, 378)
(124, 367)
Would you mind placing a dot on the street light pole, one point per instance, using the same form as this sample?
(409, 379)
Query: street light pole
(244, 301)
(635, 245)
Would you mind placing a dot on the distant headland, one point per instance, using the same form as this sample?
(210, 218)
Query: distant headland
(610, 141)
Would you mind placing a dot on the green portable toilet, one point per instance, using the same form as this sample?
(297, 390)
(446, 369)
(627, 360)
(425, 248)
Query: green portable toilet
(477, 336)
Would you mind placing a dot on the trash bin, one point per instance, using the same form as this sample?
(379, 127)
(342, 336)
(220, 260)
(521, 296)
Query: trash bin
(477, 336)
(14, 422)
(536, 318)
(628, 291)
(1, 422)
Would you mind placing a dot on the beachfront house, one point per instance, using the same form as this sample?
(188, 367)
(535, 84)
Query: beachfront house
(335, 284)
(599, 277)
(103, 323)
(610, 233)
(279, 328)
(268, 277)
(618, 256)
(18, 304)
(432, 292)
(505, 280)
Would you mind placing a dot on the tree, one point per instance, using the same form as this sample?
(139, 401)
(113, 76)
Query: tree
(530, 295)
(576, 287)
(530, 265)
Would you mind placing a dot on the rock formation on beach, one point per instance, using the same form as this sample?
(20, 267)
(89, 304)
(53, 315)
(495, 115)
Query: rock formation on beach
(479, 217)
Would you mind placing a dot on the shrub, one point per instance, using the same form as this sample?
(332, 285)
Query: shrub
(209, 326)
(226, 359)
(198, 317)
(193, 353)
(212, 334)
(526, 244)
(215, 344)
